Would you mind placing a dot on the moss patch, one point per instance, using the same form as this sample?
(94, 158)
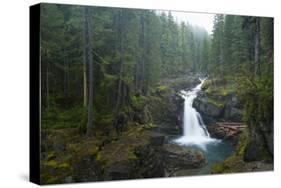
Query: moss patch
(216, 89)
(58, 164)
(216, 103)
(124, 148)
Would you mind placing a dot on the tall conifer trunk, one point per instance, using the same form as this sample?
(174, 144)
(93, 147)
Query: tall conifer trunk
(257, 46)
(90, 59)
(121, 51)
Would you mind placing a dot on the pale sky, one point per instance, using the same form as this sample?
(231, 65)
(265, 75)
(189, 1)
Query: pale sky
(200, 19)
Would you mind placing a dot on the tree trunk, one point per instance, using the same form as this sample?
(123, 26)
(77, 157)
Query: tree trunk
(66, 84)
(192, 47)
(221, 54)
(137, 76)
(47, 86)
(65, 73)
(68, 75)
(90, 58)
(142, 54)
(84, 84)
(85, 52)
(121, 50)
(221, 63)
(257, 46)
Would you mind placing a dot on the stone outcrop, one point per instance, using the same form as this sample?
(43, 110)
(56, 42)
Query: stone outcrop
(213, 110)
(204, 106)
(151, 159)
(180, 158)
(166, 108)
(260, 143)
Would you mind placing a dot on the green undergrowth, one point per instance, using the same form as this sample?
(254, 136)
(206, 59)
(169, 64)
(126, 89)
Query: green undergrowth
(56, 118)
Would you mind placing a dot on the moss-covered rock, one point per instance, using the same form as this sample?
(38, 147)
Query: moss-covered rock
(127, 157)
(69, 157)
(54, 171)
(166, 109)
(123, 149)
(236, 163)
(181, 158)
(209, 107)
(218, 101)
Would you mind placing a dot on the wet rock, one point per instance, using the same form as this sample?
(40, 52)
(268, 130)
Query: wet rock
(150, 162)
(169, 129)
(147, 164)
(156, 138)
(215, 108)
(87, 169)
(180, 158)
(121, 170)
(167, 112)
(232, 114)
(205, 107)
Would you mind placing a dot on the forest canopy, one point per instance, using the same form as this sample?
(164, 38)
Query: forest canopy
(130, 50)
(96, 60)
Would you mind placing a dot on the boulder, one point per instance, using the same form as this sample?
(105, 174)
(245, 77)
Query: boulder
(166, 109)
(232, 114)
(207, 108)
(147, 164)
(150, 163)
(133, 155)
(215, 108)
(87, 169)
(181, 158)
(156, 138)
(120, 171)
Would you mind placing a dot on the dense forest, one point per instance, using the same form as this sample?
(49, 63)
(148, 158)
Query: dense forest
(108, 74)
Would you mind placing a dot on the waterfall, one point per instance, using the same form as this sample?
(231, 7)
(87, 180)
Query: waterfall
(194, 129)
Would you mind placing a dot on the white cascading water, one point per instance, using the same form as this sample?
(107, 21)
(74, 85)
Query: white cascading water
(194, 129)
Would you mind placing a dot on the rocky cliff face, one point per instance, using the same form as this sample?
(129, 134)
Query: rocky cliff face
(214, 109)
